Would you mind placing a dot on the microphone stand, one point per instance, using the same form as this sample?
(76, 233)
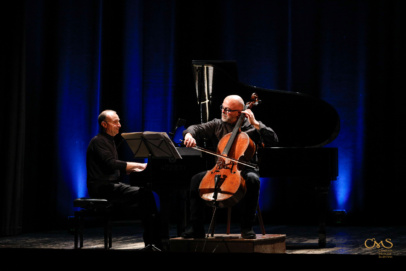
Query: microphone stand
(217, 182)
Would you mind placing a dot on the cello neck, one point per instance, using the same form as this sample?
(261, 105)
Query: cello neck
(236, 130)
(234, 134)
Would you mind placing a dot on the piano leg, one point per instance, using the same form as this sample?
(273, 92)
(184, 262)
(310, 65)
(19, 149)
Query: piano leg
(322, 190)
(173, 204)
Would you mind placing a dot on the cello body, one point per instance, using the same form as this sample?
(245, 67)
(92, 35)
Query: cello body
(223, 185)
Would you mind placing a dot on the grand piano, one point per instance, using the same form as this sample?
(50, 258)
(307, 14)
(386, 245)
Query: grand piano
(304, 125)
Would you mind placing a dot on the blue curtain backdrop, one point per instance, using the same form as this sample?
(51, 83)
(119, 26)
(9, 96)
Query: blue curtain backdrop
(66, 60)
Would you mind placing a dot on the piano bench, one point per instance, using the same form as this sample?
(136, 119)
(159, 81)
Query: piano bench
(92, 208)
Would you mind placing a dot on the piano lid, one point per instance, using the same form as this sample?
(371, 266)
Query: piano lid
(298, 119)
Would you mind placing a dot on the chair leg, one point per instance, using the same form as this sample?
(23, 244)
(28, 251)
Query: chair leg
(76, 230)
(110, 237)
(261, 222)
(228, 220)
(78, 239)
(107, 233)
(105, 237)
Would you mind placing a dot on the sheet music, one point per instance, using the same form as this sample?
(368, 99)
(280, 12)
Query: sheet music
(154, 144)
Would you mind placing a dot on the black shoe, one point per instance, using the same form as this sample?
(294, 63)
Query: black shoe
(248, 234)
(194, 232)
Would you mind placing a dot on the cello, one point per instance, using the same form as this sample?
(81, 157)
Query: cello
(223, 185)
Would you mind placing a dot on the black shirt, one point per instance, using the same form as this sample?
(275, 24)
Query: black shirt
(102, 162)
(215, 129)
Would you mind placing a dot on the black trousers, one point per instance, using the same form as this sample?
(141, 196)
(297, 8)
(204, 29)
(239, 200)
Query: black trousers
(126, 199)
(249, 202)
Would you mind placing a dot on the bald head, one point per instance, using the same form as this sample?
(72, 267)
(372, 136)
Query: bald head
(232, 107)
(235, 101)
(104, 114)
(109, 122)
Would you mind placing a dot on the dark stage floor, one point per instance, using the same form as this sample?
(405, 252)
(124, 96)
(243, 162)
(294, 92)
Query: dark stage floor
(365, 245)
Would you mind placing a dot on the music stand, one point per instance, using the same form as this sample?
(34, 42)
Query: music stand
(151, 145)
(156, 145)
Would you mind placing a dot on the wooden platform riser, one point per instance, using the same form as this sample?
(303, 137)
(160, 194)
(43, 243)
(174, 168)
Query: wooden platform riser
(269, 243)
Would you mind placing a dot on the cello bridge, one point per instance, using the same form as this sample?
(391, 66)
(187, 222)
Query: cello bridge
(222, 164)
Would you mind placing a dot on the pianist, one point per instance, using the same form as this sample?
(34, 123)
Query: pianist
(103, 172)
(214, 130)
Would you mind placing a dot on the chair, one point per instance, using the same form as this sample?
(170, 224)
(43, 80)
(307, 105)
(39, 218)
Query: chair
(96, 208)
(260, 220)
